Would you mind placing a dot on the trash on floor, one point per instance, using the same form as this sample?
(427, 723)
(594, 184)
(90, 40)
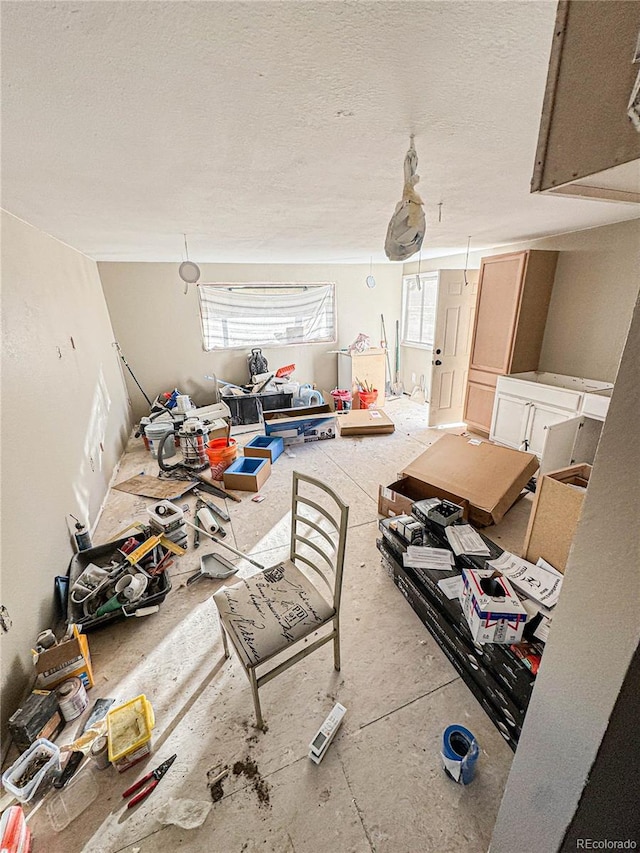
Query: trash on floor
(459, 754)
(215, 778)
(187, 814)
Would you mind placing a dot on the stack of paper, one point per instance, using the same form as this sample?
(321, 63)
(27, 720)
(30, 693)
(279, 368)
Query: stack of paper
(465, 540)
(539, 583)
(419, 557)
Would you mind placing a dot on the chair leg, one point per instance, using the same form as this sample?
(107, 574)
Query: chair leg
(336, 645)
(256, 699)
(225, 642)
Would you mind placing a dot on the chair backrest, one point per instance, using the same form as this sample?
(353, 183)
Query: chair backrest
(319, 526)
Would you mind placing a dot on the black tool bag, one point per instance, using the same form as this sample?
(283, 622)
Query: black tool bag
(257, 363)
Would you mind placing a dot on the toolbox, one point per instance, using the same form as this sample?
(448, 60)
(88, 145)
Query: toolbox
(101, 556)
(38, 717)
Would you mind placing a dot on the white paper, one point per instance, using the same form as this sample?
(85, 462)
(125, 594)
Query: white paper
(536, 582)
(451, 587)
(423, 557)
(542, 631)
(544, 565)
(465, 540)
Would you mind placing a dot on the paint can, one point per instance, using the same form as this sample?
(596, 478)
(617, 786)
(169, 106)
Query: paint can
(155, 434)
(100, 752)
(459, 754)
(72, 698)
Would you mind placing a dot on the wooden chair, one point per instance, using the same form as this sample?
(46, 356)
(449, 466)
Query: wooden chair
(270, 612)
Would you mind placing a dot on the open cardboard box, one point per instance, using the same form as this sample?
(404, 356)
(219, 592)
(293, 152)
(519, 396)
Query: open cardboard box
(555, 514)
(486, 476)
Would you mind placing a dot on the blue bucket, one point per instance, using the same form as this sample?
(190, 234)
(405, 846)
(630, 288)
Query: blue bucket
(459, 754)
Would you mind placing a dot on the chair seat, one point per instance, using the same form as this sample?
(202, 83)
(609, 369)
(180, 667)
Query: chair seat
(270, 610)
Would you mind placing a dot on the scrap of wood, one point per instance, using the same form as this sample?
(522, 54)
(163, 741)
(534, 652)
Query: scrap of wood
(154, 487)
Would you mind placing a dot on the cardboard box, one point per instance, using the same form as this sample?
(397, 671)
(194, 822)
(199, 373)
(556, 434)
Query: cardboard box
(488, 476)
(555, 514)
(264, 447)
(492, 609)
(298, 426)
(365, 422)
(64, 661)
(247, 474)
(398, 497)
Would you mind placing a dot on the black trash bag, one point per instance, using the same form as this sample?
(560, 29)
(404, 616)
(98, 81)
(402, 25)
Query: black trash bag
(257, 363)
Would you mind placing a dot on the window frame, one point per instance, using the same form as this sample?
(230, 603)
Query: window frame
(425, 280)
(277, 286)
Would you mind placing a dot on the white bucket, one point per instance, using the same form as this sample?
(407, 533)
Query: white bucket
(155, 434)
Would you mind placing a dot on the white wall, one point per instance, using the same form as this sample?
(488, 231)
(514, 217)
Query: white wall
(595, 288)
(64, 425)
(158, 327)
(595, 632)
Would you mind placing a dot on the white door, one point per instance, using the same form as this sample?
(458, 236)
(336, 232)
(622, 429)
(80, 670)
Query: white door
(455, 308)
(509, 423)
(541, 417)
(559, 443)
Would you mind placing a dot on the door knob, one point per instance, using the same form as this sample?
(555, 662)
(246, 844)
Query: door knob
(437, 362)
(438, 351)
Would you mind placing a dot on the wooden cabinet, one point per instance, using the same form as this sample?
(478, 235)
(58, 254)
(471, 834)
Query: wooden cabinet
(513, 299)
(368, 366)
(549, 414)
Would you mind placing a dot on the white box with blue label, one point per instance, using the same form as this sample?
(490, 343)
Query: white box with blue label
(491, 607)
(301, 425)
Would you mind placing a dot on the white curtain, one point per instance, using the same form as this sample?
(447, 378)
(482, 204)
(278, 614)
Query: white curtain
(268, 315)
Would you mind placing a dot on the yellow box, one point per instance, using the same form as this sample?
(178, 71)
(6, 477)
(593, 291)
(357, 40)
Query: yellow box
(64, 661)
(129, 728)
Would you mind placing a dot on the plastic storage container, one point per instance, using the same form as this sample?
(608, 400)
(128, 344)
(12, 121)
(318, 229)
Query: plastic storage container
(41, 748)
(129, 728)
(101, 555)
(72, 800)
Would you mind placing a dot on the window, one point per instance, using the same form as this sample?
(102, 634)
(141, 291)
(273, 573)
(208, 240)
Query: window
(268, 315)
(419, 310)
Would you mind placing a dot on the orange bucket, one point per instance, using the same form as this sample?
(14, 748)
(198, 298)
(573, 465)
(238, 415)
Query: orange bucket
(368, 399)
(221, 456)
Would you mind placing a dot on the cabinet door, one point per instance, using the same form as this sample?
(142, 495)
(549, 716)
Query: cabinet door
(559, 443)
(541, 417)
(479, 406)
(509, 424)
(496, 313)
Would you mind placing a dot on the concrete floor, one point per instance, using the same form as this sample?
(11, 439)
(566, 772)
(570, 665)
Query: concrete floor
(380, 787)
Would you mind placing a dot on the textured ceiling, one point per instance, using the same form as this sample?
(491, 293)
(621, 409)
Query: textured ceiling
(276, 131)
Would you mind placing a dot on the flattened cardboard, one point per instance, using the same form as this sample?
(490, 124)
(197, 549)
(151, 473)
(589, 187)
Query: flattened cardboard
(488, 476)
(365, 422)
(153, 487)
(398, 498)
(555, 514)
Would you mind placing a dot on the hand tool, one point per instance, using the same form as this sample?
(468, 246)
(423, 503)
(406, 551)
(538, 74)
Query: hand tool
(222, 514)
(196, 532)
(213, 566)
(99, 710)
(218, 491)
(155, 776)
(228, 547)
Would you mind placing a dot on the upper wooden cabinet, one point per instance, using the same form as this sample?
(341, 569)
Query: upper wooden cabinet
(513, 299)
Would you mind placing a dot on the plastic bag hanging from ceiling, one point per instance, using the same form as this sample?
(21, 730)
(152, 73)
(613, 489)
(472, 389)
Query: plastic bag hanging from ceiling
(407, 227)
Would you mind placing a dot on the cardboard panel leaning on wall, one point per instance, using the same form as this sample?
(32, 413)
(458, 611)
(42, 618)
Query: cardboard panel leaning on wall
(158, 326)
(65, 423)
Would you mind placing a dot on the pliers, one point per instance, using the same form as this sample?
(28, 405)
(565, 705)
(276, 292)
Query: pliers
(155, 776)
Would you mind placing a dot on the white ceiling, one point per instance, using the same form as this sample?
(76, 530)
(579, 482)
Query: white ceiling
(276, 131)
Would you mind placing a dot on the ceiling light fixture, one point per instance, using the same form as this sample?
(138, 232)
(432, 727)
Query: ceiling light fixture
(188, 271)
